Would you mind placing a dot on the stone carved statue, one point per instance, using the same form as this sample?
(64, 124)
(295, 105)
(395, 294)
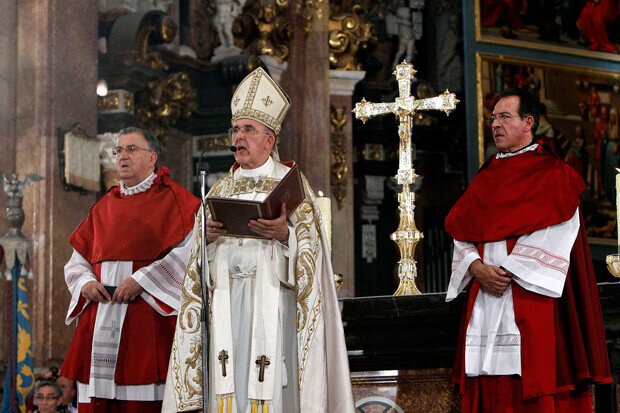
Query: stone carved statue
(226, 13)
(406, 37)
(135, 5)
(14, 241)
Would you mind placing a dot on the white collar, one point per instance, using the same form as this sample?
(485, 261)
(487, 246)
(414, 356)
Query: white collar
(262, 170)
(519, 152)
(141, 187)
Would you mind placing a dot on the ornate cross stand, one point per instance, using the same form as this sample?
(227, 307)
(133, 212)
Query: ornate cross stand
(407, 235)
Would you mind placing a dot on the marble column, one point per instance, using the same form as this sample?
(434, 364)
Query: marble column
(305, 132)
(8, 68)
(55, 83)
(341, 85)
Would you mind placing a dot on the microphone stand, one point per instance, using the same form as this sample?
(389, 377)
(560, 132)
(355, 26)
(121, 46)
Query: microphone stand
(202, 167)
(201, 170)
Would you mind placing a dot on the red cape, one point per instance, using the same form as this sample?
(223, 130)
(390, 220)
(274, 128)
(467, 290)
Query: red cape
(515, 196)
(563, 340)
(140, 228)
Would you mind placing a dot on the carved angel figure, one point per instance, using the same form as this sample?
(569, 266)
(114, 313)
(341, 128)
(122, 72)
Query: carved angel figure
(13, 188)
(403, 25)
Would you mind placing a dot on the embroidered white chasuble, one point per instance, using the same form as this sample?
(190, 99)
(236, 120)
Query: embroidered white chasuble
(266, 299)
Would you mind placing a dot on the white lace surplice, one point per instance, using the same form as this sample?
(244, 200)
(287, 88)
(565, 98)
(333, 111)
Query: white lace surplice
(539, 262)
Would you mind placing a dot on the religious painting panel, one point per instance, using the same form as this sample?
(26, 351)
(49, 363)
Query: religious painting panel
(579, 120)
(589, 28)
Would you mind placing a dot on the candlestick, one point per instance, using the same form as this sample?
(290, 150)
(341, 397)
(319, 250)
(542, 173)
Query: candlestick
(325, 205)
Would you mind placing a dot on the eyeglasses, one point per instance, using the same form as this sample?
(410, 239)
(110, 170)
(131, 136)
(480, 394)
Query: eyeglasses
(503, 118)
(129, 148)
(249, 131)
(48, 398)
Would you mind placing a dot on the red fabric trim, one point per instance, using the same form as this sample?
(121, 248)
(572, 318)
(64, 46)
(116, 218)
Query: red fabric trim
(534, 316)
(98, 405)
(503, 394)
(543, 257)
(163, 306)
(515, 196)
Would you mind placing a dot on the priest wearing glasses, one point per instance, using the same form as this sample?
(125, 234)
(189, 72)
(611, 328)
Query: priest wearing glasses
(276, 338)
(532, 334)
(124, 277)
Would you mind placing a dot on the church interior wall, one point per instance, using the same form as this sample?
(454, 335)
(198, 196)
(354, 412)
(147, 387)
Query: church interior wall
(8, 24)
(53, 78)
(48, 81)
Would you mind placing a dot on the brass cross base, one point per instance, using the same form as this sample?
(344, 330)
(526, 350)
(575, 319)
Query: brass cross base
(407, 237)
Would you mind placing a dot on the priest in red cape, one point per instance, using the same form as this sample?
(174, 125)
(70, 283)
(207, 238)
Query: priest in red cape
(136, 237)
(532, 334)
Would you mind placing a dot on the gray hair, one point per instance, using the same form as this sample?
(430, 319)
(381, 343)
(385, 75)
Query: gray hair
(150, 139)
(43, 383)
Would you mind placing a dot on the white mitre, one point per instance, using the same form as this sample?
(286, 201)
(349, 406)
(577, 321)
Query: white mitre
(260, 98)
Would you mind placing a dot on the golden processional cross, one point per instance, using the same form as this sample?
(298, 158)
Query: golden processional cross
(407, 235)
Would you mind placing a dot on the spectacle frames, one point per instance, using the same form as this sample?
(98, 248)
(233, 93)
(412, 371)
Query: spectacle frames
(249, 131)
(129, 148)
(503, 118)
(48, 398)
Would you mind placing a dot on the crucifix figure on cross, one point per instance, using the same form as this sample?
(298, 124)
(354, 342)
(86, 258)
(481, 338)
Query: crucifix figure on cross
(223, 358)
(262, 362)
(405, 106)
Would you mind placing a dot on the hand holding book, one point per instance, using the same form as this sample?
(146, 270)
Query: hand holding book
(272, 228)
(236, 215)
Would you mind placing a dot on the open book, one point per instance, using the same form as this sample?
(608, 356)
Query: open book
(235, 214)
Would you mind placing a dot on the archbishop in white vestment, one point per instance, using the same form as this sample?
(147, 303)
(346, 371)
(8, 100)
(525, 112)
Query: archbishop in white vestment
(276, 337)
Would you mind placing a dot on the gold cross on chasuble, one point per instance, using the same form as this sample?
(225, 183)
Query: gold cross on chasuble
(405, 106)
(223, 357)
(262, 363)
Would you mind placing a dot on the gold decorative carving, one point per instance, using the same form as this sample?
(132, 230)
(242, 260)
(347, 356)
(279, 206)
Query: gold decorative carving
(339, 167)
(338, 280)
(166, 30)
(264, 29)
(348, 33)
(613, 264)
(207, 143)
(405, 107)
(307, 12)
(421, 390)
(111, 101)
(128, 102)
(162, 103)
(373, 152)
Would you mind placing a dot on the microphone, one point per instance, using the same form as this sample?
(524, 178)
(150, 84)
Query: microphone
(217, 146)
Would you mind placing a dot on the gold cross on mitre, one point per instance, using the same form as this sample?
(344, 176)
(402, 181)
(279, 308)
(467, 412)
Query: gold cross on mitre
(405, 106)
